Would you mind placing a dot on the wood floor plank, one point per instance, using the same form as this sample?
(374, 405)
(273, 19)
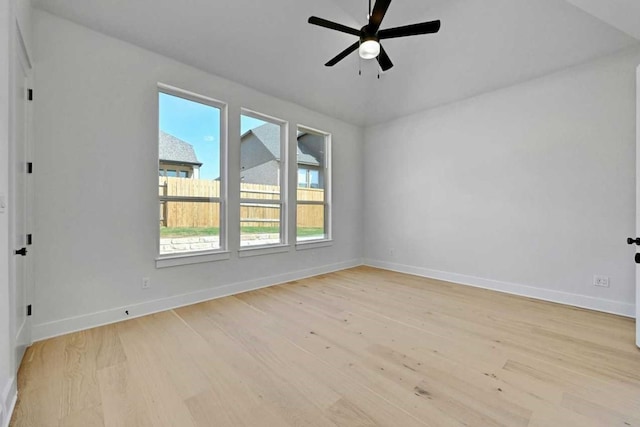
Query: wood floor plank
(86, 417)
(595, 410)
(358, 347)
(122, 399)
(154, 380)
(80, 390)
(40, 380)
(109, 350)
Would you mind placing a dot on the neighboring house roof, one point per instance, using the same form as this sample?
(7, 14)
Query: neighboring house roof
(306, 158)
(172, 149)
(310, 146)
(269, 136)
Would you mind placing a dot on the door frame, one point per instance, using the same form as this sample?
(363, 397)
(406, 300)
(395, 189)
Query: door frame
(638, 201)
(20, 339)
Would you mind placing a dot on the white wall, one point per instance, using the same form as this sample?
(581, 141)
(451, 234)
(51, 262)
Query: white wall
(530, 189)
(96, 224)
(621, 14)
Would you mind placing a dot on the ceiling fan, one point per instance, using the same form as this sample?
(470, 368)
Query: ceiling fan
(370, 35)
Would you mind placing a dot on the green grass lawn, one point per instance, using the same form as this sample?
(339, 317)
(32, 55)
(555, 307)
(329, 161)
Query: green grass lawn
(188, 231)
(214, 231)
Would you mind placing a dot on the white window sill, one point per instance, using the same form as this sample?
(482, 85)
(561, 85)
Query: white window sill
(191, 258)
(313, 244)
(262, 250)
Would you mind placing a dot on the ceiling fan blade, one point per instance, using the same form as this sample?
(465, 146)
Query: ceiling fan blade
(379, 10)
(333, 26)
(339, 57)
(410, 30)
(383, 60)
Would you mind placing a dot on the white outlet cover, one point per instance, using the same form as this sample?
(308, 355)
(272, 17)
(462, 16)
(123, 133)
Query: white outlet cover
(602, 281)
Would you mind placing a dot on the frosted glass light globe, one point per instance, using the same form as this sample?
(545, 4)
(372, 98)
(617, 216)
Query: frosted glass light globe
(369, 49)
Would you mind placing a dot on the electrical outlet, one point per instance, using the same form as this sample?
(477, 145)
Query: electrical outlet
(146, 283)
(602, 281)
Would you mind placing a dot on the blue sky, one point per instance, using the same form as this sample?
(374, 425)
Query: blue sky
(199, 125)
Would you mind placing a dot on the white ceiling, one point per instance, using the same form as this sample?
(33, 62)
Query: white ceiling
(268, 45)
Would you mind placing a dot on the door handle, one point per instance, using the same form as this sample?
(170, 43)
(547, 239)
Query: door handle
(637, 258)
(22, 252)
(631, 241)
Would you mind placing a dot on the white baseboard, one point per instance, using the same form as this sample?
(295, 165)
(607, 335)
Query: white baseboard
(576, 300)
(8, 401)
(73, 324)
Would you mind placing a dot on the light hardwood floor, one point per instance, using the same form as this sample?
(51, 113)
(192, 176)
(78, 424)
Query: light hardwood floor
(360, 347)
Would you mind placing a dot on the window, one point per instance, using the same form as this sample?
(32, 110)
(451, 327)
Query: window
(303, 178)
(313, 211)
(175, 173)
(191, 147)
(308, 178)
(263, 172)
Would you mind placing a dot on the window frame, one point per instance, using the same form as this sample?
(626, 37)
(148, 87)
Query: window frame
(283, 182)
(177, 169)
(327, 168)
(221, 253)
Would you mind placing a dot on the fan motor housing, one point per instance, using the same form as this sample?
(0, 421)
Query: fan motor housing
(366, 34)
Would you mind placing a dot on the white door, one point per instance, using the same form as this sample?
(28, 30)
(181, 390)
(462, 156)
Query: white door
(20, 202)
(638, 205)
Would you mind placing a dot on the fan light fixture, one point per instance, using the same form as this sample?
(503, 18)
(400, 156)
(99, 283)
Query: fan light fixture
(369, 49)
(369, 36)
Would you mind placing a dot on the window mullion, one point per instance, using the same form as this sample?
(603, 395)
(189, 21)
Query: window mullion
(261, 201)
(190, 199)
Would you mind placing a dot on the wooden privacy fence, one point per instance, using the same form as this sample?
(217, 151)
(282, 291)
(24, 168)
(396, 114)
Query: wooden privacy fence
(199, 214)
(189, 214)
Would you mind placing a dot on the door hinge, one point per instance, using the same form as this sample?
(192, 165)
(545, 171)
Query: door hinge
(29, 239)
(29, 167)
(29, 310)
(30, 94)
